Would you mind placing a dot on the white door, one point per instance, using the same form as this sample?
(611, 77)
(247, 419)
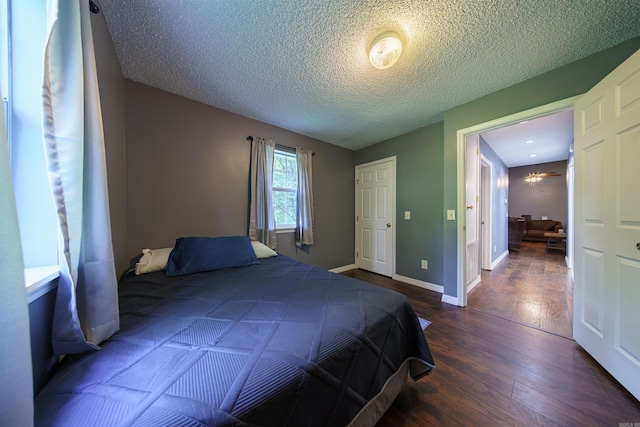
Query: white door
(472, 276)
(375, 207)
(607, 223)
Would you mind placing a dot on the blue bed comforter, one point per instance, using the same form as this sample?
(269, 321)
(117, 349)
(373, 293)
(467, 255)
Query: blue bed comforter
(281, 343)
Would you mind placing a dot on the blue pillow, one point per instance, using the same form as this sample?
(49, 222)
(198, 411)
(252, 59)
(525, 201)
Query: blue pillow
(195, 254)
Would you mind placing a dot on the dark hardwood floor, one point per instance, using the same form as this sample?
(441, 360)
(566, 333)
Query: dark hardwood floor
(529, 286)
(491, 371)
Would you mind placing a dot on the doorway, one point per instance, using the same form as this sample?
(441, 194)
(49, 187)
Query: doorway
(532, 259)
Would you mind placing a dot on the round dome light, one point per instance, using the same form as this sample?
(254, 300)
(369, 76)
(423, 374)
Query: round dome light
(385, 50)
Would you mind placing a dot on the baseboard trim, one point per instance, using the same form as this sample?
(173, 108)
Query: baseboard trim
(450, 300)
(419, 283)
(343, 268)
(499, 260)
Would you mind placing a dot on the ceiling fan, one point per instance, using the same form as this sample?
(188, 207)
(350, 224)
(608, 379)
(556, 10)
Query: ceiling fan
(534, 177)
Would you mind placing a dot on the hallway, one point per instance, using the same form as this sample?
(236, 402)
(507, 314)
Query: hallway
(529, 287)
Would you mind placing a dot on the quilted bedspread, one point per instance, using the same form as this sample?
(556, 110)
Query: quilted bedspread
(281, 343)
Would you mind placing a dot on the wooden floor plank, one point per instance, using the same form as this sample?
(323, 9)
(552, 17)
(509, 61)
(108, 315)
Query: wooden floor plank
(494, 371)
(529, 286)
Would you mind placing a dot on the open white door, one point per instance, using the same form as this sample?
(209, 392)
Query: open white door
(472, 259)
(375, 207)
(607, 223)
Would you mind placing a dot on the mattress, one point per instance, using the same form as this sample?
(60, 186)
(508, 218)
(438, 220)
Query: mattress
(280, 343)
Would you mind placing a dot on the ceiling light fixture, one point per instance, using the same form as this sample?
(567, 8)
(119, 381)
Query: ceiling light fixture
(385, 50)
(530, 141)
(532, 155)
(533, 178)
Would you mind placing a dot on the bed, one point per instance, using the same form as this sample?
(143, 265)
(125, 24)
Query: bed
(276, 342)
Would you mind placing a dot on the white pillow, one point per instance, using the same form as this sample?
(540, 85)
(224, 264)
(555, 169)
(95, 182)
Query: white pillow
(153, 260)
(262, 251)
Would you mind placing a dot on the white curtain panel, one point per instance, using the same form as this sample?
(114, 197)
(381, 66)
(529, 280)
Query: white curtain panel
(304, 217)
(16, 379)
(262, 222)
(86, 311)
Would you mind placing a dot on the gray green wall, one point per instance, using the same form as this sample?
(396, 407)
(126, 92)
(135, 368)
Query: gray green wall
(419, 171)
(187, 169)
(561, 83)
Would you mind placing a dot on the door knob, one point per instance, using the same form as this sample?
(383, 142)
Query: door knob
(638, 246)
(388, 224)
(470, 207)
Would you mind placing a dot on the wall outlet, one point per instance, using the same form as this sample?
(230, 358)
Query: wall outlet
(451, 215)
(424, 264)
(407, 215)
(495, 248)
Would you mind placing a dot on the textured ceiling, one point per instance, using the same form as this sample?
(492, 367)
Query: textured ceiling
(303, 64)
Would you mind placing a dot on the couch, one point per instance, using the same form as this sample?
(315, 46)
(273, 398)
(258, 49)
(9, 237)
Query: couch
(534, 229)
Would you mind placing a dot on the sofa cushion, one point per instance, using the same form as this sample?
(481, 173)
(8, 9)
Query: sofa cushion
(536, 224)
(543, 224)
(536, 233)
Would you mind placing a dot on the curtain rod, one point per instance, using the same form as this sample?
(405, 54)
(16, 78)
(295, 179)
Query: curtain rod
(280, 146)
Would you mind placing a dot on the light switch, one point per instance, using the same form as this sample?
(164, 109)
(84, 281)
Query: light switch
(451, 215)
(407, 215)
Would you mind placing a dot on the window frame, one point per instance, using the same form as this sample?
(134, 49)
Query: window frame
(288, 227)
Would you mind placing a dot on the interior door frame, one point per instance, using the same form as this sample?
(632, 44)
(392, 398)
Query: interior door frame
(486, 206)
(472, 208)
(462, 134)
(392, 160)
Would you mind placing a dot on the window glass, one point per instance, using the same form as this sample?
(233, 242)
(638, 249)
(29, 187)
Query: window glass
(23, 40)
(4, 59)
(284, 189)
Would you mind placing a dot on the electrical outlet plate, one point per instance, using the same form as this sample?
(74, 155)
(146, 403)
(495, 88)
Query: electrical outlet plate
(424, 264)
(451, 215)
(407, 215)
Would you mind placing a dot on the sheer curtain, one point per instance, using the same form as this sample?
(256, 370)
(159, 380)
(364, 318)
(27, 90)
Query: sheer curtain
(262, 223)
(304, 217)
(16, 380)
(86, 311)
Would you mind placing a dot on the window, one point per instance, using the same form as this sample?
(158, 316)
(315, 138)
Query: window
(23, 32)
(285, 178)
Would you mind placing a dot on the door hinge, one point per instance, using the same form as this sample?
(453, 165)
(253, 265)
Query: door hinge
(357, 182)
(477, 150)
(477, 198)
(357, 218)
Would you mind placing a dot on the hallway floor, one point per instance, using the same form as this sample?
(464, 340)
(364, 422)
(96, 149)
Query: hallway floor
(529, 287)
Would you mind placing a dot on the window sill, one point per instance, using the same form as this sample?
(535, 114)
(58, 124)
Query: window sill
(285, 230)
(40, 280)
